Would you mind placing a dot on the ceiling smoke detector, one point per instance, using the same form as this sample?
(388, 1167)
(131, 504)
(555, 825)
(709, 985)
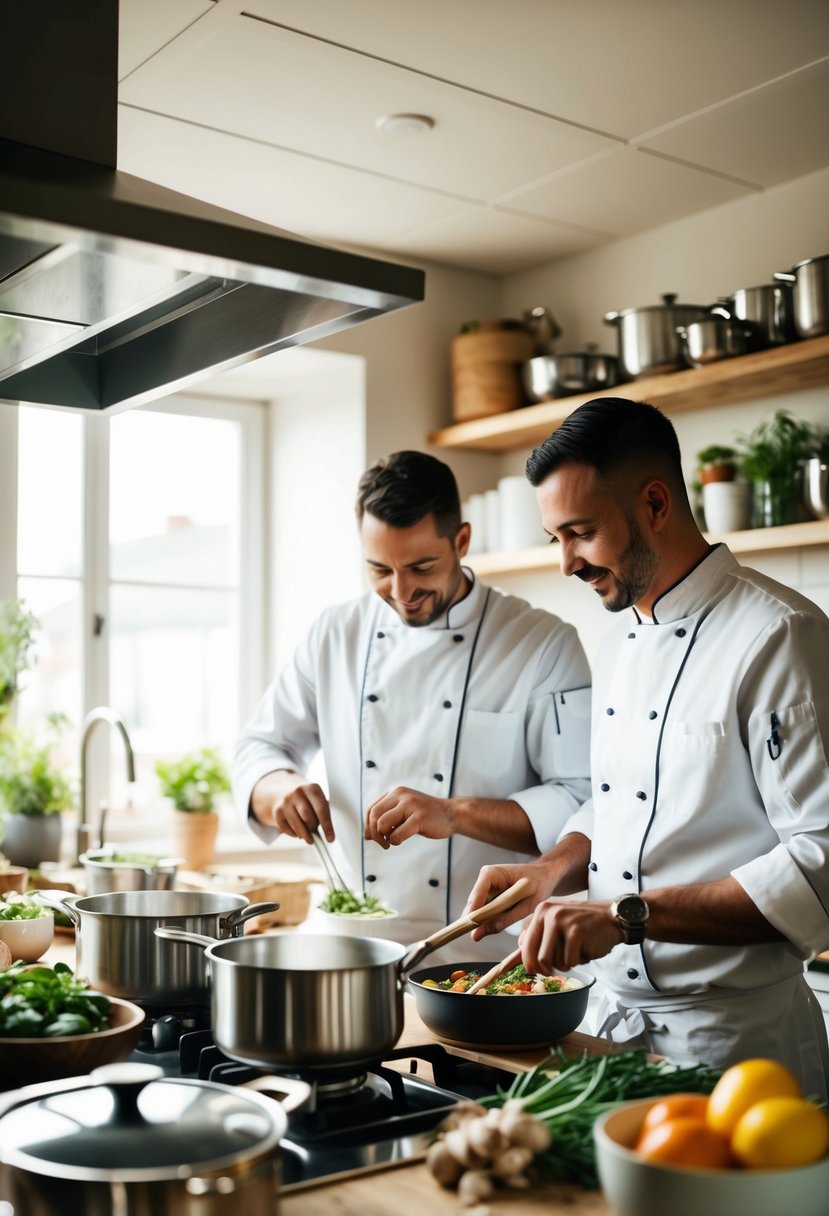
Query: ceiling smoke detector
(405, 124)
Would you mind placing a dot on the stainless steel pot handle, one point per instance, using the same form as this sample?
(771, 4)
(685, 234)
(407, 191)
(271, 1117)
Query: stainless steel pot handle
(171, 934)
(784, 276)
(290, 1094)
(610, 318)
(50, 897)
(233, 919)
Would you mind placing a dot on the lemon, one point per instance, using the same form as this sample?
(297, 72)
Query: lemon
(744, 1084)
(780, 1132)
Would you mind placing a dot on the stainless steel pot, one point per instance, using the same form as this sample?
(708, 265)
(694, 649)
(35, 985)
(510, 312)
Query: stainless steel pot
(126, 1140)
(816, 487)
(549, 376)
(301, 1003)
(648, 342)
(104, 872)
(770, 307)
(717, 337)
(811, 295)
(118, 953)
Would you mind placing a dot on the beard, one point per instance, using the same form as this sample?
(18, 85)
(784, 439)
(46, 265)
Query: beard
(440, 602)
(634, 568)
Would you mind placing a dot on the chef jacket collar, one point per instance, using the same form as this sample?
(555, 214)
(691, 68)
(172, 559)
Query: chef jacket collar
(695, 589)
(457, 616)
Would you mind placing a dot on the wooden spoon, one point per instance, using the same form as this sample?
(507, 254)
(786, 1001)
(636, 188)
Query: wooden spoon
(495, 972)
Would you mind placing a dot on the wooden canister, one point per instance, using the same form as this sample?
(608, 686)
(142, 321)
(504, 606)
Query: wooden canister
(486, 369)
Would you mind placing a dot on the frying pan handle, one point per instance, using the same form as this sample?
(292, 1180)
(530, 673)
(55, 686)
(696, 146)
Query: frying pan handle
(228, 923)
(171, 934)
(465, 924)
(290, 1093)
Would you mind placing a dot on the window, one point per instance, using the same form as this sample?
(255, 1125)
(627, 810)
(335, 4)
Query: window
(140, 550)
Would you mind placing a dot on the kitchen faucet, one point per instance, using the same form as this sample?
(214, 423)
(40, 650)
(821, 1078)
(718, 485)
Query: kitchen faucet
(101, 714)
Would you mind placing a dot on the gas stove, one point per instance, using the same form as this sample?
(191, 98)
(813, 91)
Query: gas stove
(355, 1122)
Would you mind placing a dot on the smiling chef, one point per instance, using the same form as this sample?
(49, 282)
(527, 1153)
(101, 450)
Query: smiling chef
(453, 719)
(705, 848)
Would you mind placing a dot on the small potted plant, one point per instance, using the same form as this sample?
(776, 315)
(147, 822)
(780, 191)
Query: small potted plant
(194, 783)
(34, 790)
(726, 501)
(773, 458)
(717, 463)
(17, 629)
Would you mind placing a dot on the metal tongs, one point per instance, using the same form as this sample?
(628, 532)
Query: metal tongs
(332, 874)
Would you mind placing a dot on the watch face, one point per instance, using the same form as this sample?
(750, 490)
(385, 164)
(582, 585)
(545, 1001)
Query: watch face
(632, 909)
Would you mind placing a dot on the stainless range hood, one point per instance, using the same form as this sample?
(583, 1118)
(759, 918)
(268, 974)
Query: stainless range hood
(115, 291)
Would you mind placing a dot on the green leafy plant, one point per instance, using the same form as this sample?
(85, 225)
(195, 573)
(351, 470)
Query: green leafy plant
(31, 783)
(772, 456)
(717, 462)
(195, 780)
(17, 632)
(48, 1002)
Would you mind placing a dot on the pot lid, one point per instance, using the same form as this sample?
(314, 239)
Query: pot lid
(130, 1118)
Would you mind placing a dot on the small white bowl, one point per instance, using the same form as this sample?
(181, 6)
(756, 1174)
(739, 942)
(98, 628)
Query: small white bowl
(28, 940)
(355, 924)
(635, 1187)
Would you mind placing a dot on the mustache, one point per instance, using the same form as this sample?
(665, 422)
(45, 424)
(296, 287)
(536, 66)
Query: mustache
(588, 572)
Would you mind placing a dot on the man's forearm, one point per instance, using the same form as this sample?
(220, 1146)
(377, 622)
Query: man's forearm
(707, 914)
(496, 821)
(270, 789)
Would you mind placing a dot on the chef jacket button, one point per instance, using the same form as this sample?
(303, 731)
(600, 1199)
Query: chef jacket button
(457, 637)
(372, 697)
(626, 874)
(438, 776)
(447, 704)
(652, 714)
(370, 764)
(433, 882)
(610, 712)
(604, 787)
(641, 795)
(631, 635)
(591, 865)
(680, 633)
(371, 878)
(633, 974)
(380, 634)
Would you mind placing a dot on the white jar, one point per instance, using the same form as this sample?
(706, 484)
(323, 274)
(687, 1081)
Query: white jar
(727, 506)
(521, 526)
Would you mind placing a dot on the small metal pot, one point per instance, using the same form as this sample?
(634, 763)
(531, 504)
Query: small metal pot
(717, 337)
(648, 341)
(770, 307)
(811, 295)
(816, 487)
(549, 376)
(304, 1003)
(104, 872)
(119, 954)
(127, 1140)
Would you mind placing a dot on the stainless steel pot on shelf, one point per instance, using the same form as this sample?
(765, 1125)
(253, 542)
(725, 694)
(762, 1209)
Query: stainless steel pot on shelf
(717, 337)
(810, 279)
(770, 307)
(649, 344)
(549, 376)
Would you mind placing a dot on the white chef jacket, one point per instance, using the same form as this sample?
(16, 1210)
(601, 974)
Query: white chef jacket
(491, 700)
(709, 742)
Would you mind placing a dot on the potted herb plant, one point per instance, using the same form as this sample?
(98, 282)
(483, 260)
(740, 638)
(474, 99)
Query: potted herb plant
(773, 458)
(717, 463)
(726, 502)
(194, 782)
(34, 790)
(17, 629)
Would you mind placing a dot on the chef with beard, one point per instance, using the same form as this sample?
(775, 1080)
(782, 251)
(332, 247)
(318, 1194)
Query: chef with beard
(453, 719)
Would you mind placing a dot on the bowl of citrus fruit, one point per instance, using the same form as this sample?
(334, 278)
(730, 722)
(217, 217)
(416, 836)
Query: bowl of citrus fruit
(756, 1145)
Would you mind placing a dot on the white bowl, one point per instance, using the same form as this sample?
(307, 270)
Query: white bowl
(635, 1187)
(28, 939)
(355, 924)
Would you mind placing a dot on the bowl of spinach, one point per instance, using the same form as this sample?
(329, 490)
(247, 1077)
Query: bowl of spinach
(52, 1025)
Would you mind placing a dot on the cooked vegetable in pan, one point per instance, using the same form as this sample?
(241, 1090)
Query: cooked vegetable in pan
(515, 982)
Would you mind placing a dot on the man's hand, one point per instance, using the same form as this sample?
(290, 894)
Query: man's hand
(564, 934)
(402, 813)
(492, 880)
(286, 801)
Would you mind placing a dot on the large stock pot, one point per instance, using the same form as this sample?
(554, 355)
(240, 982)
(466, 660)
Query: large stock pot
(648, 340)
(811, 295)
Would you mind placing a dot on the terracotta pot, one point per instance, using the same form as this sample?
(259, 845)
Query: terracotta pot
(15, 878)
(194, 837)
(717, 472)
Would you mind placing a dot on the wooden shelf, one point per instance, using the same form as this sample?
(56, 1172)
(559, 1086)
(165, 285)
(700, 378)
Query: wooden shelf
(758, 540)
(783, 369)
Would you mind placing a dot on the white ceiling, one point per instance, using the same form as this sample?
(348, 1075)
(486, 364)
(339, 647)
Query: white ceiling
(560, 125)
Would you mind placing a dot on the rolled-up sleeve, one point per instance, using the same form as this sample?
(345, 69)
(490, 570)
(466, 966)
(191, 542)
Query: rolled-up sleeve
(790, 884)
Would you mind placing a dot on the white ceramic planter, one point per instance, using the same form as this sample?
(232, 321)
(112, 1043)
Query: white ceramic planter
(727, 506)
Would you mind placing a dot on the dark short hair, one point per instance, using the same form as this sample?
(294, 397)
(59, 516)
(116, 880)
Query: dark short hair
(406, 487)
(611, 434)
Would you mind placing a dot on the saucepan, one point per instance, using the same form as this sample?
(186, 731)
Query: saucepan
(304, 1003)
(118, 953)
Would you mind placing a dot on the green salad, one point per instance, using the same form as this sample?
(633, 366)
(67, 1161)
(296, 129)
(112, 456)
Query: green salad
(47, 1002)
(14, 906)
(346, 903)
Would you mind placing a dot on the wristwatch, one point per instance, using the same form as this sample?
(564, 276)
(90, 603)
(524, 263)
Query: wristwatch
(631, 915)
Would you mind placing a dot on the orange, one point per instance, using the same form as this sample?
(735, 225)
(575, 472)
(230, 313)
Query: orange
(744, 1084)
(781, 1132)
(675, 1106)
(685, 1141)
